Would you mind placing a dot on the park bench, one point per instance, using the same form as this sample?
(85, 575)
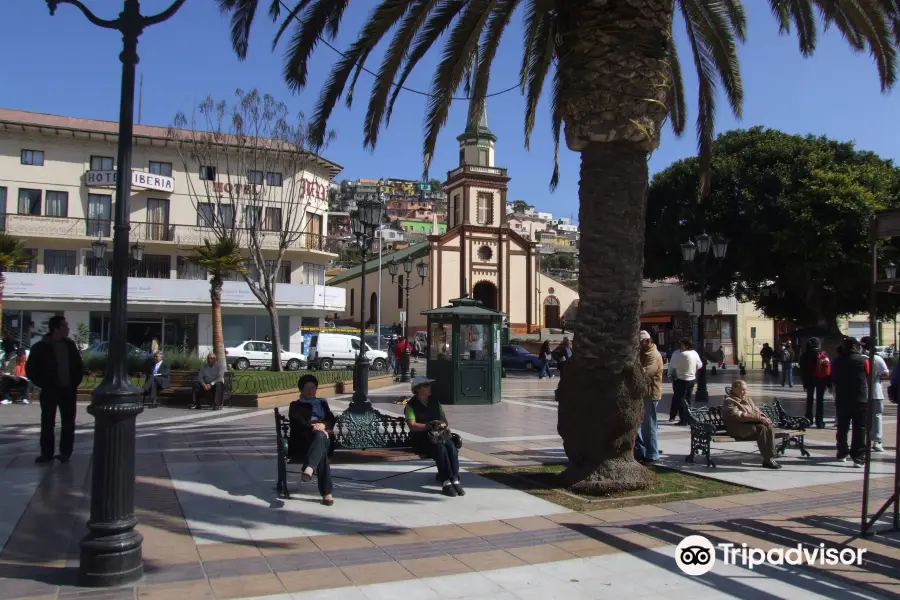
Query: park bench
(370, 430)
(706, 423)
(180, 390)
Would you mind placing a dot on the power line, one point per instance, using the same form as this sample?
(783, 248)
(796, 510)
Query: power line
(394, 83)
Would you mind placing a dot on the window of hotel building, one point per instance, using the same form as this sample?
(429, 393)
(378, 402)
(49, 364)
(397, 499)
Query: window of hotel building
(272, 221)
(152, 266)
(31, 266)
(97, 267)
(29, 201)
(226, 215)
(284, 272)
(59, 262)
(206, 214)
(99, 215)
(255, 177)
(56, 204)
(352, 300)
(313, 274)
(485, 208)
(188, 270)
(35, 158)
(158, 219)
(102, 163)
(252, 216)
(274, 179)
(207, 173)
(161, 168)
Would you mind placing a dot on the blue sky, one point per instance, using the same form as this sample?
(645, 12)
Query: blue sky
(64, 65)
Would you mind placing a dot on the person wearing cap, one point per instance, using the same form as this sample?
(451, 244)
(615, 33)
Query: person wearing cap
(880, 373)
(430, 435)
(646, 446)
(311, 425)
(850, 376)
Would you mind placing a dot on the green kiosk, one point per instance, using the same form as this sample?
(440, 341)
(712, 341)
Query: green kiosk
(464, 352)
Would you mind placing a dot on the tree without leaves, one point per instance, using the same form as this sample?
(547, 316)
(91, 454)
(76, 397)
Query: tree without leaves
(796, 211)
(253, 137)
(616, 78)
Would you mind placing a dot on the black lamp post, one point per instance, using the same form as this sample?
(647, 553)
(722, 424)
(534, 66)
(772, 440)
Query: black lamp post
(365, 220)
(689, 252)
(111, 551)
(422, 270)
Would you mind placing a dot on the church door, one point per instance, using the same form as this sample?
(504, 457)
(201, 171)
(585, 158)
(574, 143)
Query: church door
(551, 313)
(486, 293)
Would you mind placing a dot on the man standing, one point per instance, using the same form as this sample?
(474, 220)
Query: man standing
(767, 353)
(54, 366)
(850, 373)
(673, 375)
(157, 379)
(210, 379)
(815, 370)
(881, 372)
(787, 364)
(646, 447)
(686, 366)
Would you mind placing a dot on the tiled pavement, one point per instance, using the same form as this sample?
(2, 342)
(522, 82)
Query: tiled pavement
(471, 551)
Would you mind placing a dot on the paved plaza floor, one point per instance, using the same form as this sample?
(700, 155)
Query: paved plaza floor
(213, 526)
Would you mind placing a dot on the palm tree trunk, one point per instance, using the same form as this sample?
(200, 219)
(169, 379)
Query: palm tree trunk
(276, 336)
(215, 295)
(601, 394)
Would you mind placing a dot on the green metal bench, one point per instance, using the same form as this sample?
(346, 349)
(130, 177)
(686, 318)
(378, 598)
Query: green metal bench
(706, 423)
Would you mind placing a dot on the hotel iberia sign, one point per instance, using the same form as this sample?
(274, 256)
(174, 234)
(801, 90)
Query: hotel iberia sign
(139, 179)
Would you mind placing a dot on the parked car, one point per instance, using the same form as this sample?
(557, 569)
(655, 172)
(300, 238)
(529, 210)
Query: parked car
(517, 357)
(329, 350)
(256, 354)
(102, 349)
(885, 352)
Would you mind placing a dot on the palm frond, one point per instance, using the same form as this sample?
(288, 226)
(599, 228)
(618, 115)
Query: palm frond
(380, 22)
(540, 57)
(710, 23)
(675, 99)
(533, 17)
(289, 20)
(868, 25)
(496, 25)
(242, 15)
(458, 50)
(13, 254)
(322, 15)
(800, 14)
(556, 120)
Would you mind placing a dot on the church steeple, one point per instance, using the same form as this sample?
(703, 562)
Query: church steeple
(476, 143)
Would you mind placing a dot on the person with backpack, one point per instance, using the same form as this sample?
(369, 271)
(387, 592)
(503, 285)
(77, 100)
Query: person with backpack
(786, 357)
(815, 372)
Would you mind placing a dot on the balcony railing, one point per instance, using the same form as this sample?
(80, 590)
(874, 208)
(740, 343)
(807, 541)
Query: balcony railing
(189, 235)
(475, 169)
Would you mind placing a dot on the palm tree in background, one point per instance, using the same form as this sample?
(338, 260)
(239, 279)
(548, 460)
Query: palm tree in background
(220, 258)
(615, 77)
(13, 257)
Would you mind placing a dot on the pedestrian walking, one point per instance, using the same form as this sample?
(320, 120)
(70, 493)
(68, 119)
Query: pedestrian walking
(673, 375)
(686, 366)
(815, 372)
(880, 373)
(850, 376)
(55, 366)
(544, 356)
(646, 447)
(563, 355)
(720, 357)
(767, 353)
(787, 364)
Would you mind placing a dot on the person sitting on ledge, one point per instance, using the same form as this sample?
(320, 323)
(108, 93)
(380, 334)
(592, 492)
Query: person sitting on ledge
(744, 422)
(210, 380)
(430, 435)
(312, 423)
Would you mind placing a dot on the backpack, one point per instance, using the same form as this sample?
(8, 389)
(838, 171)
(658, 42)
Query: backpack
(823, 366)
(786, 356)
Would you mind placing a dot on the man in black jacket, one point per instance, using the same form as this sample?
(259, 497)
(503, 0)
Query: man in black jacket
(158, 379)
(815, 369)
(850, 377)
(55, 366)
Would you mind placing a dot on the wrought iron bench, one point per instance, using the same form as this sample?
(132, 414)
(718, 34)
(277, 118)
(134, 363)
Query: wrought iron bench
(706, 423)
(353, 430)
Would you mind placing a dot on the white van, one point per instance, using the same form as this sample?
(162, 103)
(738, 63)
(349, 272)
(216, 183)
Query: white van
(329, 350)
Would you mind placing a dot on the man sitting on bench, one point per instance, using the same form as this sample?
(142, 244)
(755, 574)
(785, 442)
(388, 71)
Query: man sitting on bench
(157, 379)
(210, 380)
(745, 422)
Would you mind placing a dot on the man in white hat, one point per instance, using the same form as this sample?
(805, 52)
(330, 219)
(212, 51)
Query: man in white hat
(430, 435)
(646, 445)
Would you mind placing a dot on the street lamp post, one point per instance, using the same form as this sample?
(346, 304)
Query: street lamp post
(689, 252)
(422, 271)
(111, 550)
(365, 220)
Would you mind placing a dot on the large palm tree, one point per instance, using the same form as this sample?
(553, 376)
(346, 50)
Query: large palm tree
(220, 258)
(13, 256)
(616, 77)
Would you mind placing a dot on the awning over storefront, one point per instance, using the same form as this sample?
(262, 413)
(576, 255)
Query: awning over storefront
(658, 319)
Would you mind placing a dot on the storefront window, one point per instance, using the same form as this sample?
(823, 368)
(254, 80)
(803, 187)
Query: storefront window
(441, 342)
(474, 344)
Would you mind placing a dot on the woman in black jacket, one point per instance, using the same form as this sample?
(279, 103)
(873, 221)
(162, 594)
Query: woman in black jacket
(312, 423)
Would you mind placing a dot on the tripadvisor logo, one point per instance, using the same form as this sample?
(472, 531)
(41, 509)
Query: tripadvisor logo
(696, 555)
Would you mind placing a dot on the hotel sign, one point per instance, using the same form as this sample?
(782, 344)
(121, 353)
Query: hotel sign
(139, 179)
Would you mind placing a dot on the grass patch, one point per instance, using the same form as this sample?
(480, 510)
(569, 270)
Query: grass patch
(672, 485)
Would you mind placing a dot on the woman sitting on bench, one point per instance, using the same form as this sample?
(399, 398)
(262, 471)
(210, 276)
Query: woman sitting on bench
(430, 435)
(311, 427)
(744, 422)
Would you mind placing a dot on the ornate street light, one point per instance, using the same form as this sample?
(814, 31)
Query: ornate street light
(98, 248)
(890, 270)
(422, 270)
(111, 550)
(689, 252)
(137, 252)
